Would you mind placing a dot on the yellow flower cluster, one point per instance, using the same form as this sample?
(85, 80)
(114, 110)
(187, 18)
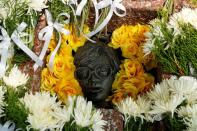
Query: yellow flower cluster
(130, 39)
(131, 81)
(76, 39)
(61, 80)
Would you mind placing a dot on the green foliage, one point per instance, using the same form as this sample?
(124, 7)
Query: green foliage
(20, 57)
(176, 52)
(137, 125)
(73, 127)
(18, 12)
(15, 110)
(175, 123)
(62, 8)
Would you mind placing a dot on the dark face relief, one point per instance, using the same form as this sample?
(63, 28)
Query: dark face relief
(96, 66)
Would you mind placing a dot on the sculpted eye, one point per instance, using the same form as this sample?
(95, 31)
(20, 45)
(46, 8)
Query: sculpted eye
(104, 71)
(82, 73)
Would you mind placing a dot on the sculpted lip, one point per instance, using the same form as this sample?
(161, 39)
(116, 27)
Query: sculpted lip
(95, 90)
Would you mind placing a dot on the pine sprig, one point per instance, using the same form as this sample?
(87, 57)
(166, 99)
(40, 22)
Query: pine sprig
(176, 52)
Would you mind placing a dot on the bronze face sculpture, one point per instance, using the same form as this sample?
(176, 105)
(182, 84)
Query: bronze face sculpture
(96, 66)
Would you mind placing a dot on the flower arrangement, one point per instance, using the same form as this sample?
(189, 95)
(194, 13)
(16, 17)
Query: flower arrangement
(42, 111)
(173, 42)
(60, 105)
(172, 101)
(132, 80)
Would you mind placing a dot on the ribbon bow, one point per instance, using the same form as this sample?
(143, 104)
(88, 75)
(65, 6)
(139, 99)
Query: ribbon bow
(9, 126)
(6, 42)
(47, 32)
(115, 6)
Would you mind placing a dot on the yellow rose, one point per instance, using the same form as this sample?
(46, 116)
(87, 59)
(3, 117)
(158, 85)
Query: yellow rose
(119, 80)
(129, 50)
(67, 87)
(75, 40)
(133, 68)
(48, 80)
(65, 49)
(120, 36)
(63, 67)
(149, 80)
(128, 34)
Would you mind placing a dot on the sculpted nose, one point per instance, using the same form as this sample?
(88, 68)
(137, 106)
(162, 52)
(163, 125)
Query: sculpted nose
(94, 80)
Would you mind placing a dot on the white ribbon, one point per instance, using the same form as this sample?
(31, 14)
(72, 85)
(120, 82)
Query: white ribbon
(9, 126)
(115, 6)
(5, 42)
(47, 32)
(80, 7)
(16, 39)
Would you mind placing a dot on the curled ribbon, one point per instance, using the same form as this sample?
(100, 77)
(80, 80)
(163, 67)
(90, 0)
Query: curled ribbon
(6, 42)
(9, 126)
(46, 33)
(115, 6)
(16, 39)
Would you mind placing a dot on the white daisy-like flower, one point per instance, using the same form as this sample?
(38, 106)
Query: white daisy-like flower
(131, 108)
(155, 31)
(37, 5)
(186, 86)
(163, 99)
(161, 106)
(160, 92)
(188, 111)
(15, 78)
(82, 112)
(2, 103)
(45, 112)
(86, 116)
(149, 44)
(97, 122)
(186, 15)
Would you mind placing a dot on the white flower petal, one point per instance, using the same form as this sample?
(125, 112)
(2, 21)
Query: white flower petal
(15, 78)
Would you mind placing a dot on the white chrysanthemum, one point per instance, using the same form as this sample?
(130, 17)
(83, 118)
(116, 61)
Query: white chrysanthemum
(186, 86)
(164, 100)
(2, 104)
(15, 78)
(85, 116)
(186, 15)
(160, 92)
(97, 122)
(167, 106)
(82, 112)
(132, 108)
(155, 31)
(37, 5)
(149, 44)
(45, 111)
(188, 111)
